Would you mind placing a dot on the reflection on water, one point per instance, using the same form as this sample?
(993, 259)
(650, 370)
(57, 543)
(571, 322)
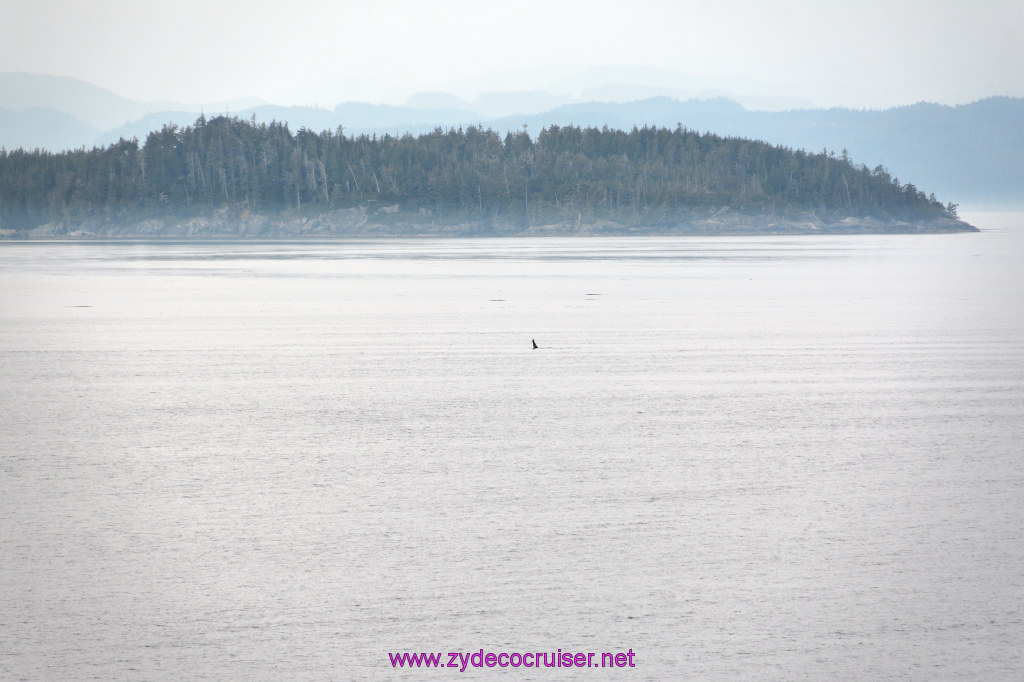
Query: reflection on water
(565, 249)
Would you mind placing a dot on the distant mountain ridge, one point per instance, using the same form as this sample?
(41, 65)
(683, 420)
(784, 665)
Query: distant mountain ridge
(92, 105)
(970, 154)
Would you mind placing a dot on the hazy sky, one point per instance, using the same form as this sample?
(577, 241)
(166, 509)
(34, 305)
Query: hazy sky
(864, 53)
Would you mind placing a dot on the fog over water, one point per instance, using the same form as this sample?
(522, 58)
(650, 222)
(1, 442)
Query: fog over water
(741, 458)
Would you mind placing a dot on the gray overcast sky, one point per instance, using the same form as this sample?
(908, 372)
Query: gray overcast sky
(863, 53)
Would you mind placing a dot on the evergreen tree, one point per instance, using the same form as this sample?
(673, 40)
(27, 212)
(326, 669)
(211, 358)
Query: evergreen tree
(647, 176)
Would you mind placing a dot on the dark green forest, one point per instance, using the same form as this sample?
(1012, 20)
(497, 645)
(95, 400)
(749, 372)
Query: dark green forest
(647, 176)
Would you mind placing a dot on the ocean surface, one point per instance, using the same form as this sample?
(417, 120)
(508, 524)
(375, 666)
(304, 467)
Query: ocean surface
(778, 458)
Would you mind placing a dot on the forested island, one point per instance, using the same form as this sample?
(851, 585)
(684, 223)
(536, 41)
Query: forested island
(228, 177)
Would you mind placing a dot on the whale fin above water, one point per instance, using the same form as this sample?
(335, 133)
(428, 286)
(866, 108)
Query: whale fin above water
(535, 346)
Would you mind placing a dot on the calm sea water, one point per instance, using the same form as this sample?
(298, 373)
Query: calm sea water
(742, 458)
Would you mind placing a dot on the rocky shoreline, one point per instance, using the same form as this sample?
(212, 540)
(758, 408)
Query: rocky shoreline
(228, 223)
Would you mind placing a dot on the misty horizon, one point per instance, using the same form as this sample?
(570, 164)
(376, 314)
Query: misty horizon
(872, 55)
(593, 84)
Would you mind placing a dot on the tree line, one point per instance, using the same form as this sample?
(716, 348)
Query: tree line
(647, 176)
